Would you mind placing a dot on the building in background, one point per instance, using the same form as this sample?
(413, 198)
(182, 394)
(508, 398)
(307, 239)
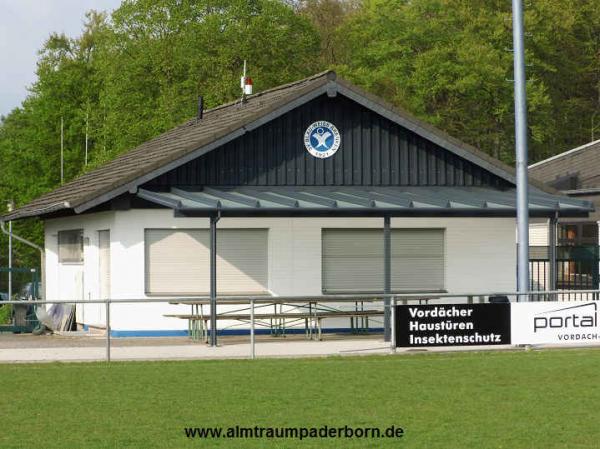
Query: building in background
(575, 173)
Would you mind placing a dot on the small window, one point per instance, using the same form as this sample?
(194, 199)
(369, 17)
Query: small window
(70, 246)
(578, 234)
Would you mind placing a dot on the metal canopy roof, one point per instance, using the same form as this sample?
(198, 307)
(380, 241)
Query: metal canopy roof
(352, 201)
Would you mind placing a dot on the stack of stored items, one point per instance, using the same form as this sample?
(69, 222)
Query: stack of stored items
(59, 317)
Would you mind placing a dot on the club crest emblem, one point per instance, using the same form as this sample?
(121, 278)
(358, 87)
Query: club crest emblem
(322, 139)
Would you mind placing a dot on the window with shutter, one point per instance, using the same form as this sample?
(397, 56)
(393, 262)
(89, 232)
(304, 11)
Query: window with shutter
(70, 246)
(352, 260)
(178, 261)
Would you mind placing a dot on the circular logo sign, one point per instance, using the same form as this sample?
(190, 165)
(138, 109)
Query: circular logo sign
(322, 139)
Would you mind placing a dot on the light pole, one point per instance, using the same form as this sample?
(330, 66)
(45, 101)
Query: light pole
(10, 205)
(521, 150)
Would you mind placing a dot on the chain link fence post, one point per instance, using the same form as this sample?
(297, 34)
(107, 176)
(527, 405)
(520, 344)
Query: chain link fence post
(252, 336)
(393, 326)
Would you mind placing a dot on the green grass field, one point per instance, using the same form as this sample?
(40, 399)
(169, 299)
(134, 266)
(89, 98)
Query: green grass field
(538, 399)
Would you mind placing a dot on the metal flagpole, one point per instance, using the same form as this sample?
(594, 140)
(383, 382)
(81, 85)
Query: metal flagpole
(11, 207)
(10, 260)
(521, 150)
(62, 151)
(87, 120)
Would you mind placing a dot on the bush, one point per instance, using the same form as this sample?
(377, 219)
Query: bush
(5, 313)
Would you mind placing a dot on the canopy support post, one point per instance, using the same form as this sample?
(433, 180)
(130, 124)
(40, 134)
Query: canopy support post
(387, 278)
(213, 280)
(552, 225)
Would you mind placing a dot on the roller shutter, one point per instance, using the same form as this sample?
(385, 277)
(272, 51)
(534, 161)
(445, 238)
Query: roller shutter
(178, 261)
(417, 259)
(352, 260)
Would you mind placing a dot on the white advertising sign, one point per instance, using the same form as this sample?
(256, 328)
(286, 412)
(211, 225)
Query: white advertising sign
(554, 323)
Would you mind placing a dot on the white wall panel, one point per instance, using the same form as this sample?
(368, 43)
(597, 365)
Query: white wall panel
(480, 255)
(61, 279)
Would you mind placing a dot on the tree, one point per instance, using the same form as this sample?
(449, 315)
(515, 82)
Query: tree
(130, 77)
(66, 88)
(159, 56)
(328, 18)
(449, 62)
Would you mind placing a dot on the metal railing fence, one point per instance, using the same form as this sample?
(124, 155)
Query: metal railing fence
(395, 299)
(576, 267)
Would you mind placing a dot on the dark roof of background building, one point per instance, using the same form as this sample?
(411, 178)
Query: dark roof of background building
(220, 125)
(576, 170)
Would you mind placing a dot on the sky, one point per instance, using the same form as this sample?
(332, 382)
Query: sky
(24, 26)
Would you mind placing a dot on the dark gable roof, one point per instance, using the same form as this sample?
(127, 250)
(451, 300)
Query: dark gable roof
(220, 125)
(571, 171)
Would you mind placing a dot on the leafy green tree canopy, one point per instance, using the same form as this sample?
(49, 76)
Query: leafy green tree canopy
(450, 63)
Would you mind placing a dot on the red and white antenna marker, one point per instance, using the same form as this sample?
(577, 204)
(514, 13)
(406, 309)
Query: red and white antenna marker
(246, 83)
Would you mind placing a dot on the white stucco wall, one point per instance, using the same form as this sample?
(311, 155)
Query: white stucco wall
(65, 281)
(480, 256)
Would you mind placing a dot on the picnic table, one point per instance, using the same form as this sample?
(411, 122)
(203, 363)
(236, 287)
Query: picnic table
(278, 319)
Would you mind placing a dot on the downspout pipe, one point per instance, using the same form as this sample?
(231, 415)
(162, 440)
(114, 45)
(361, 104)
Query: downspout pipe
(552, 243)
(33, 245)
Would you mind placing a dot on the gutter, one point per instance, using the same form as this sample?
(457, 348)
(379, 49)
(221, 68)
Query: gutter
(566, 153)
(363, 212)
(588, 191)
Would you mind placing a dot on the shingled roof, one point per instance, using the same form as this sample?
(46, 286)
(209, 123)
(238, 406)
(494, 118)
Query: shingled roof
(576, 171)
(218, 126)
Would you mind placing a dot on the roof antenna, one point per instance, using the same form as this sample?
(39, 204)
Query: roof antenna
(200, 108)
(245, 84)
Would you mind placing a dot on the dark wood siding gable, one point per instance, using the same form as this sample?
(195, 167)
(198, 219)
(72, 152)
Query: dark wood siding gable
(373, 151)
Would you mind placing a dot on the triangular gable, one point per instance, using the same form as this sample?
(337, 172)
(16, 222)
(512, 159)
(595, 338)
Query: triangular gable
(373, 151)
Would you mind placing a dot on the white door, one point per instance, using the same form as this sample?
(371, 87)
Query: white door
(103, 271)
(70, 269)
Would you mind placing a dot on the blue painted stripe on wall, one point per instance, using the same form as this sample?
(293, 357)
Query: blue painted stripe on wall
(150, 333)
(184, 333)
